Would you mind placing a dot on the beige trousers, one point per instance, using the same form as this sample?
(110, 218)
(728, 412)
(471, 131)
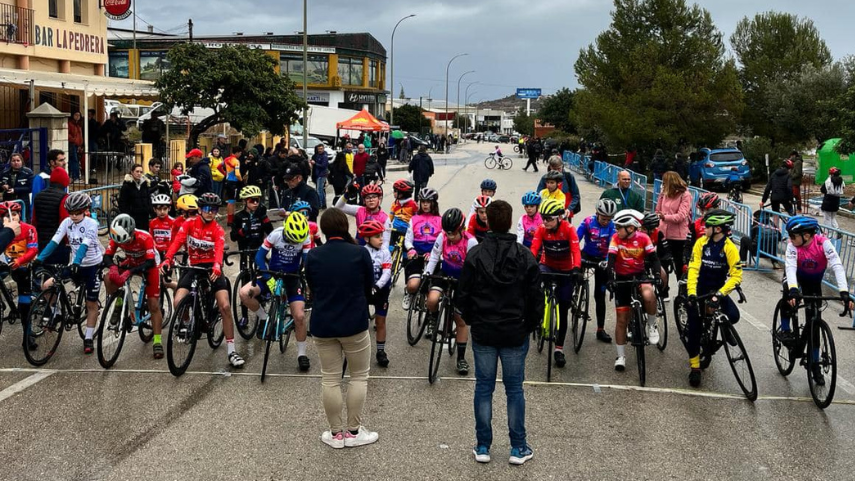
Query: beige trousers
(357, 351)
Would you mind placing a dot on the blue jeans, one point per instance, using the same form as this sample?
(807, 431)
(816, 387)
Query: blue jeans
(73, 162)
(513, 375)
(322, 194)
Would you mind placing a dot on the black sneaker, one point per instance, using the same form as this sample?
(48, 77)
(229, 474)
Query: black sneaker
(787, 338)
(88, 346)
(430, 321)
(603, 336)
(695, 377)
(382, 359)
(816, 372)
(462, 367)
(560, 360)
(303, 363)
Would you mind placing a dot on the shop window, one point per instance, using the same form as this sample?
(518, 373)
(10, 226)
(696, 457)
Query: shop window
(317, 69)
(78, 11)
(53, 10)
(372, 73)
(350, 70)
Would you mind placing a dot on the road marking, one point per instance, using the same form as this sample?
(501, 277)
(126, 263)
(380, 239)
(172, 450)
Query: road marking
(24, 384)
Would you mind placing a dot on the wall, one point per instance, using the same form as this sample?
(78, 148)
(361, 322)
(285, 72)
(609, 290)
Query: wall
(63, 39)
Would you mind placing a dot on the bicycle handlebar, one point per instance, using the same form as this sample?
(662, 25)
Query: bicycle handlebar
(846, 310)
(228, 255)
(738, 290)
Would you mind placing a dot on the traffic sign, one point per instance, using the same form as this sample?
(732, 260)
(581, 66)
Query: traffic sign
(528, 93)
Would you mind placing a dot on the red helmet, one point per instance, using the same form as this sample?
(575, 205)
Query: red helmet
(403, 185)
(370, 228)
(372, 189)
(482, 201)
(708, 201)
(788, 164)
(5, 207)
(834, 171)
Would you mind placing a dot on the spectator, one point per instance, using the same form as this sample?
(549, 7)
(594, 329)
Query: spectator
(94, 129)
(796, 173)
(298, 189)
(135, 197)
(623, 195)
(256, 169)
(674, 207)
(360, 160)
(568, 186)
(659, 164)
(763, 234)
(382, 157)
(56, 159)
(177, 172)
(833, 191)
(348, 152)
(373, 173)
(75, 143)
(197, 180)
(421, 166)
(340, 176)
(321, 170)
(156, 184)
(680, 167)
(17, 182)
(218, 170)
(153, 130)
(222, 144)
(532, 152)
(779, 189)
(500, 297)
(113, 130)
(49, 211)
(340, 275)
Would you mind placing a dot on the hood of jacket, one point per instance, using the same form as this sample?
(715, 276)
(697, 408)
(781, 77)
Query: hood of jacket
(130, 178)
(781, 172)
(500, 260)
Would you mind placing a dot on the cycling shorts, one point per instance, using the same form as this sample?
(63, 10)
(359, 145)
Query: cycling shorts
(564, 290)
(90, 278)
(152, 283)
(440, 285)
(415, 267)
(380, 301)
(293, 289)
(623, 292)
(230, 190)
(186, 280)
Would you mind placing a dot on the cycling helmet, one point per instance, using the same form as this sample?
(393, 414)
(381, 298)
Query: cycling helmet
(300, 205)
(651, 221)
(554, 175)
(708, 201)
(372, 189)
(161, 199)
(488, 184)
(531, 198)
(482, 201)
(370, 228)
(6, 207)
(210, 198)
(122, 229)
(403, 185)
(629, 217)
(801, 224)
(296, 228)
(788, 164)
(606, 207)
(552, 207)
(187, 202)
(77, 201)
(834, 171)
(452, 220)
(249, 192)
(428, 193)
(720, 218)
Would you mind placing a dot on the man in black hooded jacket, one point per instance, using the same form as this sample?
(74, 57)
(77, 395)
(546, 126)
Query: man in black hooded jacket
(780, 189)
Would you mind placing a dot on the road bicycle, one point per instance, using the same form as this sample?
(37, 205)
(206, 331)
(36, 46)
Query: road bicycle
(398, 251)
(416, 314)
(548, 332)
(279, 324)
(637, 331)
(503, 163)
(581, 302)
(245, 321)
(55, 310)
(811, 342)
(444, 329)
(104, 216)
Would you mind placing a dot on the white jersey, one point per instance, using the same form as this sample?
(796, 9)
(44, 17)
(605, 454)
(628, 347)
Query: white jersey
(381, 260)
(85, 233)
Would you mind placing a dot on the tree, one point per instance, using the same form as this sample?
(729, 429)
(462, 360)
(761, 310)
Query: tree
(524, 123)
(401, 95)
(804, 107)
(243, 90)
(555, 110)
(463, 122)
(657, 77)
(772, 48)
(409, 117)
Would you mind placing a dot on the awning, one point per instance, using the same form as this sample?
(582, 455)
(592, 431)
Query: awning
(102, 86)
(363, 121)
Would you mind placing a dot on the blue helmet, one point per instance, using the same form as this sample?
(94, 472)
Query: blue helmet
(300, 205)
(488, 184)
(802, 223)
(531, 198)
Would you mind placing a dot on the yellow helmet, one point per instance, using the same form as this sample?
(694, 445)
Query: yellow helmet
(250, 191)
(187, 202)
(296, 228)
(552, 207)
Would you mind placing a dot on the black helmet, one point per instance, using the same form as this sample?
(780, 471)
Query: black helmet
(452, 220)
(209, 198)
(650, 221)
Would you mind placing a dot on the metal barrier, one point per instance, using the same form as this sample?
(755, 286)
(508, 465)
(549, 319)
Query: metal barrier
(606, 175)
(744, 214)
(105, 204)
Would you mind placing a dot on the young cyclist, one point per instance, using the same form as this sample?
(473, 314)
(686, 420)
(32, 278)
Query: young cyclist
(630, 254)
(204, 240)
(478, 227)
(233, 181)
(304, 208)
(650, 226)
(809, 255)
(488, 189)
(373, 231)
(20, 252)
(530, 221)
(560, 254)
(553, 190)
(288, 246)
(81, 232)
(162, 229)
(188, 207)
(596, 233)
(140, 258)
(372, 196)
(450, 247)
(403, 208)
(421, 235)
(251, 225)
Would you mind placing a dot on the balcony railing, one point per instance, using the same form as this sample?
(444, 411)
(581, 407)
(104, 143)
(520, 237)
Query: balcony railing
(16, 25)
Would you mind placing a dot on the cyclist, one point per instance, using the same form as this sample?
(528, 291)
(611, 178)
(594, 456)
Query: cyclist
(714, 267)
(488, 189)
(498, 152)
(372, 231)
(371, 195)
(140, 258)
(81, 232)
(287, 246)
(650, 226)
(251, 225)
(204, 240)
(531, 220)
(188, 207)
(552, 190)
(421, 235)
(597, 232)
(305, 208)
(629, 252)
(20, 252)
(809, 254)
(161, 228)
(478, 221)
(561, 254)
(450, 247)
(403, 208)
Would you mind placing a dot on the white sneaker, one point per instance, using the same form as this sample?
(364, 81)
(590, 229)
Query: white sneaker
(362, 437)
(653, 334)
(334, 441)
(406, 300)
(620, 363)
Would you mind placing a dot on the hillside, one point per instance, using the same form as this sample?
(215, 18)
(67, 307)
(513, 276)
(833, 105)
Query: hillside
(509, 104)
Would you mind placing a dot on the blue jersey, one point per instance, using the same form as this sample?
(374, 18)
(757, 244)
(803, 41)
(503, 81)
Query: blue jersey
(284, 256)
(595, 237)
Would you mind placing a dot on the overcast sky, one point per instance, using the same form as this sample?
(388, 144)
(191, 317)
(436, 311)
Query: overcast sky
(511, 43)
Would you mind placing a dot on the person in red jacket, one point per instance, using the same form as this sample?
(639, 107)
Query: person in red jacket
(478, 227)
(360, 160)
(558, 246)
(21, 251)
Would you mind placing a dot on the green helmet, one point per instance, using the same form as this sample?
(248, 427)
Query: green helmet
(719, 218)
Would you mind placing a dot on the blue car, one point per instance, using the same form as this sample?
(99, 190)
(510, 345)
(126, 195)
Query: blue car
(715, 166)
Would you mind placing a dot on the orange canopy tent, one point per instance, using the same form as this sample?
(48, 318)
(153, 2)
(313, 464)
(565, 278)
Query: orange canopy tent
(364, 122)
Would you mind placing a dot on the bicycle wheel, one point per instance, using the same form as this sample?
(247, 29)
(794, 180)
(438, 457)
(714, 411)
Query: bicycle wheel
(739, 361)
(45, 328)
(270, 328)
(580, 314)
(286, 336)
(145, 328)
(215, 329)
(661, 323)
(638, 343)
(822, 394)
(397, 263)
(112, 330)
(416, 319)
(245, 321)
(507, 163)
(553, 334)
(103, 220)
(490, 162)
(681, 318)
(435, 348)
(783, 355)
(181, 343)
(79, 320)
(543, 329)
(166, 308)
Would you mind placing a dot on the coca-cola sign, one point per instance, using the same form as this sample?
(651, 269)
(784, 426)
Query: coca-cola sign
(117, 9)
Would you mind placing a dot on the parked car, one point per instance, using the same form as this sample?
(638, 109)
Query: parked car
(297, 141)
(714, 166)
(504, 139)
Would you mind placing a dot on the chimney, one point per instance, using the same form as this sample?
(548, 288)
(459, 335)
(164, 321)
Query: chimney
(150, 29)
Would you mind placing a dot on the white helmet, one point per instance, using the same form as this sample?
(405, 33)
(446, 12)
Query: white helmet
(628, 217)
(161, 199)
(122, 229)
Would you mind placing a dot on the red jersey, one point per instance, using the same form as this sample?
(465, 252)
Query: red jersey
(137, 251)
(314, 236)
(204, 241)
(476, 229)
(161, 231)
(560, 247)
(24, 246)
(630, 253)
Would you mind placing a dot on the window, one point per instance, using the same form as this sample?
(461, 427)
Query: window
(53, 11)
(152, 65)
(78, 12)
(317, 69)
(372, 73)
(350, 70)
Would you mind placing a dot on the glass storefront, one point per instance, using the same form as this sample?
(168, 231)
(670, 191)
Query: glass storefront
(118, 64)
(350, 70)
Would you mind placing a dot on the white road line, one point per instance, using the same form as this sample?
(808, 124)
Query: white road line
(23, 384)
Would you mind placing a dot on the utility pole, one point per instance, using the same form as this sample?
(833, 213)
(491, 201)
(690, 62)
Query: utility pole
(392, 72)
(305, 78)
(134, 13)
(190, 28)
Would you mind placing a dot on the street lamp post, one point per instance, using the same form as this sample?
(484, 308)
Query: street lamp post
(305, 78)
(466, 105)
(466, 96)
(447, 69)
(457, 110)
(392, 71)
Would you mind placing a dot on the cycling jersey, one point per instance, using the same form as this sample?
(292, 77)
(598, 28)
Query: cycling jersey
(560, 247)
(204, 242)
(715, 266)
(84, 233)
(161, 231)
(24, 246)
(137, 251)
(284, 256)
(381, 259)
(249, 229)
(404, 209)
(526, 227)
(452, 254)
(557, 195)
(630, 253)
(476, 228)
(314, 235)
(423, 231)
(807, 264)
(362, 214)
(596, 237)
(232, 164)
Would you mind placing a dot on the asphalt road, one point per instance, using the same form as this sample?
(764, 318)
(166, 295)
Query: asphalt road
(74, 420)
